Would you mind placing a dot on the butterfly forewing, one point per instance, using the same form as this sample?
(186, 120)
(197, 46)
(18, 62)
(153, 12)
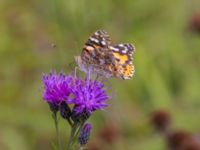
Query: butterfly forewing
(99, 39)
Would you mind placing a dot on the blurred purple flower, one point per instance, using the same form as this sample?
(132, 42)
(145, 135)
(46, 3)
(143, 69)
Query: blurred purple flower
(89, 96)
(56, 88)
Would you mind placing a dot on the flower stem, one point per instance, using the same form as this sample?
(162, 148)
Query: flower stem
(71, 138)
(81, 148)
(79, 129)
(76, 128)
(70, 122)
(57, 130)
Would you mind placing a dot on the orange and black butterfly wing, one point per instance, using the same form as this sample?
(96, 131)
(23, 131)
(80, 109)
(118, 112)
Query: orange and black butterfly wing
(123, 54)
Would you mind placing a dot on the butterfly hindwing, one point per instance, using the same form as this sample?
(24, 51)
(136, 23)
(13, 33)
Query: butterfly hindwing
(123, 52)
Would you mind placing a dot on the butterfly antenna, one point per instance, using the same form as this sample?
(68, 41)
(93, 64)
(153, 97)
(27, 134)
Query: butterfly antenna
(97, 77)
(89, 72)
(75, 72)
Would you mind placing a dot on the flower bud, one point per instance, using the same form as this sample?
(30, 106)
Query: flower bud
(85, 134)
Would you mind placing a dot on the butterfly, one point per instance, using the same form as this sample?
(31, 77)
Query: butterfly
(100, 56)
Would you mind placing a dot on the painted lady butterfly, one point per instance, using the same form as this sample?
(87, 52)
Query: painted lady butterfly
(105, 59)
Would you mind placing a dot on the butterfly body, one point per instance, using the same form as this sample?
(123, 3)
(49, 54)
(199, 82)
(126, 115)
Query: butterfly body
(105, 59)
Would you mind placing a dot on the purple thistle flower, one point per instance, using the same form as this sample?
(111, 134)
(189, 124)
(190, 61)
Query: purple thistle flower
(56, 88)
(85, 134)
(86, 95)
(89, 96)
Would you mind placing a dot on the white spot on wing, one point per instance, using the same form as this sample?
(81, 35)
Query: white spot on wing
(124, 51)
(94, 40)
(90, 48)
(96, 33)
(114, 49)
(103, 42)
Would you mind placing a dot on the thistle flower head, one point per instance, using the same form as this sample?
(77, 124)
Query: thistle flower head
(56, 88)
(89, 96)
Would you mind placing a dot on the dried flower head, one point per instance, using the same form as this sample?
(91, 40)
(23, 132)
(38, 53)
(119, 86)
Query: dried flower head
(110, 133)
(178, 139)
(161, 120)
(194, 24)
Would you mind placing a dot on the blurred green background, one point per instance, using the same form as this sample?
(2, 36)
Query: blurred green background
(39, 35)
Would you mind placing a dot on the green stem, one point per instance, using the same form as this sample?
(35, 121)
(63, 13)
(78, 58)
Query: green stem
(81, 148)
(57, 130)
(70, 122)
(71, 138)
(79, 129)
